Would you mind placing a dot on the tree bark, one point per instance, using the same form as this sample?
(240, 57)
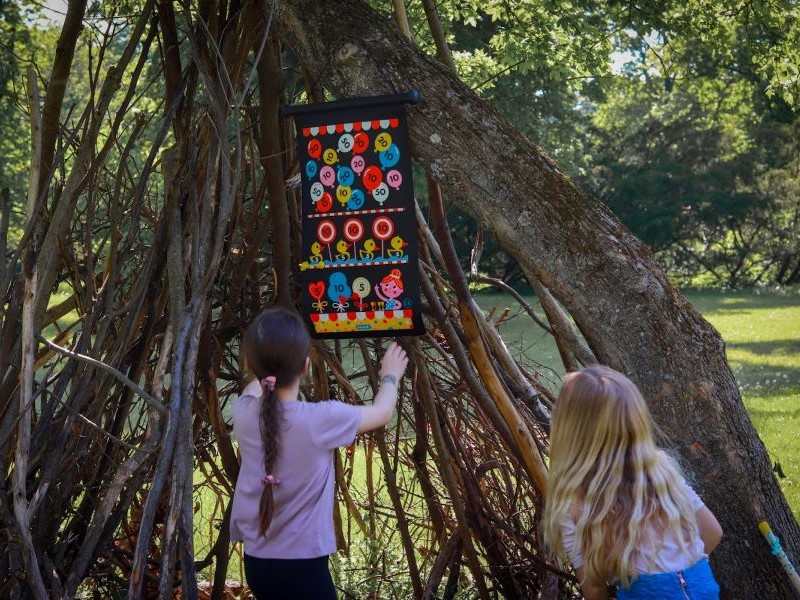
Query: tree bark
(630, 315)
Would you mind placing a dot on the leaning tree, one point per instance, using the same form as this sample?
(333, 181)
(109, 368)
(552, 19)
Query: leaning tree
(164, 209)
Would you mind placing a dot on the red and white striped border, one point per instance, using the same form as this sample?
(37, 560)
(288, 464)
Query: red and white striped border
(344, 213)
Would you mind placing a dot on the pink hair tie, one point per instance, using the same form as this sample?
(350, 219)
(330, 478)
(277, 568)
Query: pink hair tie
(270, 480)
(269, 382)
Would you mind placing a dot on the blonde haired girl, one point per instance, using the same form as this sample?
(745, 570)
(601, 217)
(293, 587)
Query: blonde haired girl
(618, 507)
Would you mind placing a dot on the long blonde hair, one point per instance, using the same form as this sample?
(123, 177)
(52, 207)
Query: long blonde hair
(608, 475)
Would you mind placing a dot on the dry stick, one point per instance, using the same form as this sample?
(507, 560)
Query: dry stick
(181, 322)
(457, 348)
(439, 38)
(391, 481)
(402, 18)
(22, 449)
(496, 344)
(424, 389)
(476, 509)
(471, 322)
(517, 296)
(419, 456)
(270, 87)
(454, 338)
(443, 559)
(569, 341)
(124, 473)
(5, 216)
(151, 401)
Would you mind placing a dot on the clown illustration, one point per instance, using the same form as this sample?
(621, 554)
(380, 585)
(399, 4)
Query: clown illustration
(390, 288)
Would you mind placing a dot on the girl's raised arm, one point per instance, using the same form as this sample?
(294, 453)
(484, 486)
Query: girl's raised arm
(380, 411)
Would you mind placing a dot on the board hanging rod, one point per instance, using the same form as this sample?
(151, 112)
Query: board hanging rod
(410, 97)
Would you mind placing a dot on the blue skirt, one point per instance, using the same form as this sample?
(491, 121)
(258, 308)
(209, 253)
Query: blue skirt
(695, 583)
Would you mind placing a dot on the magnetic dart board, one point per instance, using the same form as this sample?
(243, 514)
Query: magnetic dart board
(359, 273)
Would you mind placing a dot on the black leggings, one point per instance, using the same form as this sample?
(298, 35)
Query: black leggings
(289, 579)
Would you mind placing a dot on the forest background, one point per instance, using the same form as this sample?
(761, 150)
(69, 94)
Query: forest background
(682, 118)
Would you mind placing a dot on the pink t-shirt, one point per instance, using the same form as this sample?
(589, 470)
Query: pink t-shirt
(302, 523)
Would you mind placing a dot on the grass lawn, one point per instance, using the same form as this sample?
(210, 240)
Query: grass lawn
(762, 335)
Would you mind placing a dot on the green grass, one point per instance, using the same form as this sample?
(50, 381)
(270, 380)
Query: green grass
(762, 336)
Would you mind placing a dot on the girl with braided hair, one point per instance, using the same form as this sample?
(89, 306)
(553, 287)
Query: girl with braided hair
(283, 504)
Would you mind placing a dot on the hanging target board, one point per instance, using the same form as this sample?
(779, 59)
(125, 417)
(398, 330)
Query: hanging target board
(359, 273)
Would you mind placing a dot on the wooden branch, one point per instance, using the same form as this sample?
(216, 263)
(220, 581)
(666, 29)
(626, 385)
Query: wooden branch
(121, 377)
(423, 388)
(470, 319)
(26, 413)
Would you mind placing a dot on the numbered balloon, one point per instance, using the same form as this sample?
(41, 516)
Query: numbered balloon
(381, 193)
(357, 164)
(360, 142)
(346, 143)
(389, 157)
(327, 175)
(311, 169)
(346, 176)
(314, 148)
(382, 142)
(383, 228)
(357, 199)
(316, 191)
(361, 287)
(330, 156)
(326, 232)
(343, 194)
(325, 203)
(353, 230)
(371, 178)
(395, 179)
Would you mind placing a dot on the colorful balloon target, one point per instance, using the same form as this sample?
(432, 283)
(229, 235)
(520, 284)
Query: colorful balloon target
(394, 178)
(345, 143)
(314, 148)
(316, 191)
(325, 203)
(327, 175)
(357, 164)
(382, 142)
(371, 178)
(381, 193)
(389, 157)
(331, 157)
(311, 169)
(360, 142)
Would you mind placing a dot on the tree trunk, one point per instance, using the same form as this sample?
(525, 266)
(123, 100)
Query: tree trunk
(630, 315)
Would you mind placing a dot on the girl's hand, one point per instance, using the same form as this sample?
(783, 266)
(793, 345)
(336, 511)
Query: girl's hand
(394, 362)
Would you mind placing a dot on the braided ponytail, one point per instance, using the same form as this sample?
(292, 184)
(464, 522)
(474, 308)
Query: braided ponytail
(270, 433)
(276, 346)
